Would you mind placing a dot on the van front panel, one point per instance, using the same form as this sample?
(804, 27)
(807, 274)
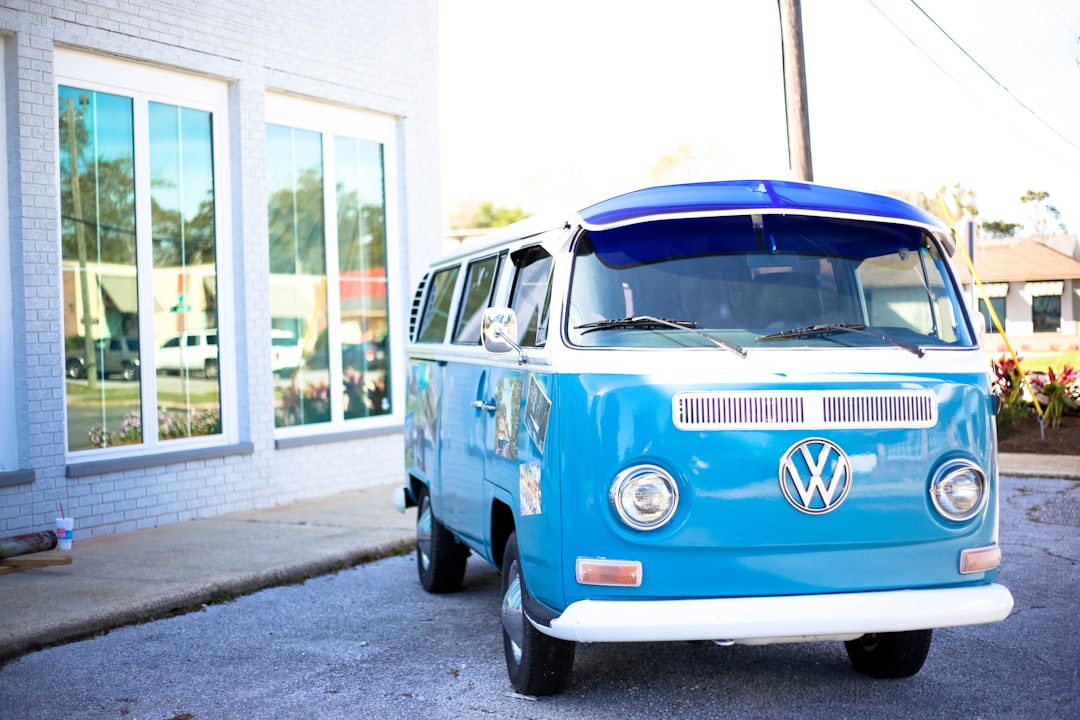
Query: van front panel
(735, 532)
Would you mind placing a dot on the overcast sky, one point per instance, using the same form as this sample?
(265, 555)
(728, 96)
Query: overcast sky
(550, 103)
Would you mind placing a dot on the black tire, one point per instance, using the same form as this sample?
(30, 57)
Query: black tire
(440, 558)
(210, 369)
(890, 655)
(75, 369)
(129, 371)
(538, 664)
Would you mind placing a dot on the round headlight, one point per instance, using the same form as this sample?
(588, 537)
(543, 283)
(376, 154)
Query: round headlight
(959, 490)
(645, 496)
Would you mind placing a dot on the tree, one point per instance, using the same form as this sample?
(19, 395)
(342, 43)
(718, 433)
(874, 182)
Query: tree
(1000, 228)
(959, 201)
(296, 226)
(963, 201)
(1037, 199)
(361, 232)
(486, 215)
(673, 166)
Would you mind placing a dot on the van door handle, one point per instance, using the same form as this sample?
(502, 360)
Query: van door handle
(481, 405)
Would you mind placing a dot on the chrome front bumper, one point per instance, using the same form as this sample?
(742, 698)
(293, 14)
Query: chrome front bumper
(762, 620)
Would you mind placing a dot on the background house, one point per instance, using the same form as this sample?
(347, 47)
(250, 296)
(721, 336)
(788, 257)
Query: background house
(247, 191)
(1034, 287)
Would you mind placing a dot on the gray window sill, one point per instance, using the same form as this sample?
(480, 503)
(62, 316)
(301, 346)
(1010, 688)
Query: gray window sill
(16, 477)
(100, 467)
(332, 437)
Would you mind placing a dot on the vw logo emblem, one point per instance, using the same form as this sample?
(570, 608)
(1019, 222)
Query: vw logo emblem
(815, 476)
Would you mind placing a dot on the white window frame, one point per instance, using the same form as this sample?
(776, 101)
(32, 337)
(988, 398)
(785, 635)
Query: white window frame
(9, 450)
(145, 84)
(330, 120)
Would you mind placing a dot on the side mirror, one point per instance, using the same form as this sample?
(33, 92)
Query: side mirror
(979, 320)
(498, 330)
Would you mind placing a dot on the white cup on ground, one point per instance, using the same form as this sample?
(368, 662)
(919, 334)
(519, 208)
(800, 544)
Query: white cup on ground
(65, 530)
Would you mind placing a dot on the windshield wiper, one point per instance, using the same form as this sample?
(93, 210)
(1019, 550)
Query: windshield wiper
(648, 322)
(829, 328)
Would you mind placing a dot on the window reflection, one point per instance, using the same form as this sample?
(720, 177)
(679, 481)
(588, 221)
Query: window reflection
(362, 276)
(103, 322)
(185, 272)
(97, 196)
(329, 361)
(298, 274)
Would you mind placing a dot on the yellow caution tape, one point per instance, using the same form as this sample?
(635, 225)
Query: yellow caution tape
(990, 307)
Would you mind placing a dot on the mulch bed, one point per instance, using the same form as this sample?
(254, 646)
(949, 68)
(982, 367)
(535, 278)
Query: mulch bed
(1025, 438)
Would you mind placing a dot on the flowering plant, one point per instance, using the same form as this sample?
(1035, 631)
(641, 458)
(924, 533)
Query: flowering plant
(171, 424)
(1007, 382)
(306, 405)
(1058, 392)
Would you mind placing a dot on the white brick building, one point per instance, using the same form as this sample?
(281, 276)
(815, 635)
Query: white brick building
(242, 191)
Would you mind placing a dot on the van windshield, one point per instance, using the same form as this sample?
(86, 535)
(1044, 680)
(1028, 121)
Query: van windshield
(778, 282)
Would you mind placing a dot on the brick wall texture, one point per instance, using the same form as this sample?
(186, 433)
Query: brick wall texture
(374, 55)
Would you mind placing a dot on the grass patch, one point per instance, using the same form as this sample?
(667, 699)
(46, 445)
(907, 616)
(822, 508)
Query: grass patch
(219, 597)
(79, 393)
(1055, 360)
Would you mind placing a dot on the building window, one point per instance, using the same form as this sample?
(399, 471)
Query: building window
(1046, 313)
(140, 256)
(998, 304)
(328, 179)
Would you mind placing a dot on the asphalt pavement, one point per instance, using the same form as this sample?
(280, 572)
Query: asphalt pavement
(148, 574)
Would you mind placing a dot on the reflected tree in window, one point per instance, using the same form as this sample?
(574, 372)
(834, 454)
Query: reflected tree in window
(97, 237)
(297, 236)
(185, 270)
(362, 276)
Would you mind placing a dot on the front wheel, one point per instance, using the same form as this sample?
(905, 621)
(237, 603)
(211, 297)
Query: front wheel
(440, 558)
(889, 655)
(538, 664)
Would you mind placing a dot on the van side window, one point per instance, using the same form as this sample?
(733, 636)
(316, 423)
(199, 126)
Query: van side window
(479, 284)
(437, 306)
(530, 296)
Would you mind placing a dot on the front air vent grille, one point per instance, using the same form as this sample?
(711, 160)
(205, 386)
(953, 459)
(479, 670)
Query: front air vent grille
(880, 409)
(809, 409)
(738, 410)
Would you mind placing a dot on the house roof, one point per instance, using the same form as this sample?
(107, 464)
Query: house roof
(1015, 261)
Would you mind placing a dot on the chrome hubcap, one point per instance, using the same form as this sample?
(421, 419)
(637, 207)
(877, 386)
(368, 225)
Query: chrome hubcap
(423, 533)
(513, 619)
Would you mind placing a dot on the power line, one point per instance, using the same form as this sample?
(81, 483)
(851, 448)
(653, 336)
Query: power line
(924, 53)
(989, 75)
(935, 63)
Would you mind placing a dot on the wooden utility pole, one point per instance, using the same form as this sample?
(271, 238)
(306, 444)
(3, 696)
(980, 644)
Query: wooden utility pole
(798, 110)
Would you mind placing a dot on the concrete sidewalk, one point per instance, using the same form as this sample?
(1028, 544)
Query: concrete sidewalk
(148, 574)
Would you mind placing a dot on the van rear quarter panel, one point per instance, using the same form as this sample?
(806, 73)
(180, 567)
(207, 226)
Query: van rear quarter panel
(734, 533)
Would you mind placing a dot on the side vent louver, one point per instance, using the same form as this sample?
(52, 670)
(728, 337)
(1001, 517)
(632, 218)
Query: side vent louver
(414, 312)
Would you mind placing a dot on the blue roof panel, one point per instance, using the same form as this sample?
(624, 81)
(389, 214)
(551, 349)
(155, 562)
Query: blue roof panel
(734, 195)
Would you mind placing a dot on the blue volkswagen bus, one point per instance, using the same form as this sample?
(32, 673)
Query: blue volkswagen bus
(744, 412)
